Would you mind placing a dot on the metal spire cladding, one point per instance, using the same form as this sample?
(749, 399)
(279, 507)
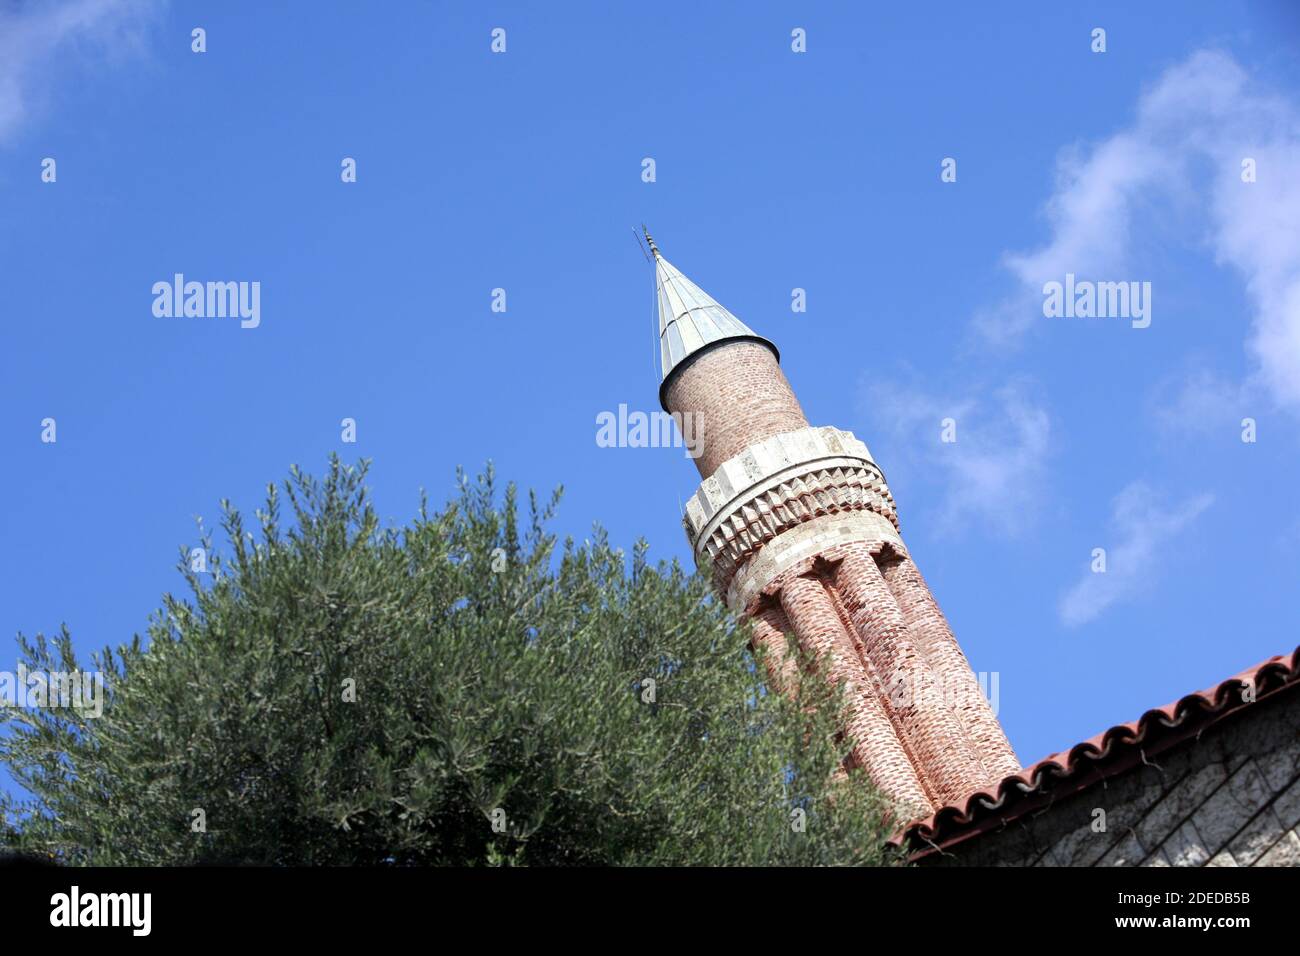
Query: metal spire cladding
(690, 320)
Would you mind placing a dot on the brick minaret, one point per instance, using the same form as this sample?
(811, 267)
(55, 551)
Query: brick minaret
(803, 536)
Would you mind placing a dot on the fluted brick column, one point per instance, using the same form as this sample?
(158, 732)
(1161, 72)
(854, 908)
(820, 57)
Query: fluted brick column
(929, 628)
(943, 750)
(769, 626)
(876, 746)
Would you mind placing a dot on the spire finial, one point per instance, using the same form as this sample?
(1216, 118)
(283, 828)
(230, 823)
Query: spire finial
(650, 242)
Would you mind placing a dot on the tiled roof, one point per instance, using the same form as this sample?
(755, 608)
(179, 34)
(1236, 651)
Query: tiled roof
(1102, 756)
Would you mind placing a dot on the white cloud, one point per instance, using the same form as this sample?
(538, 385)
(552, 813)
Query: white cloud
(992, 475)
(1184, 153)
(1199, 401)
(32, 34)
(1142, 529)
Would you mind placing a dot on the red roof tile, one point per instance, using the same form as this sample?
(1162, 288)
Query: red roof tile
(1091, 761)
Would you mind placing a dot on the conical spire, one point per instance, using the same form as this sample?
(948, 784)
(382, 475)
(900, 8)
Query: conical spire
(690, 320)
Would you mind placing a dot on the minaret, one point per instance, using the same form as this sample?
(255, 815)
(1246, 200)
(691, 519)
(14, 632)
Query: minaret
(803, 536)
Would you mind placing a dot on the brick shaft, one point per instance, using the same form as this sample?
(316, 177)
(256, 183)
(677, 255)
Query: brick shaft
(738, 396)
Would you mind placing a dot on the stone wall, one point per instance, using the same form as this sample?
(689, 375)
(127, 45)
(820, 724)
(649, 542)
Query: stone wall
(1229, 796)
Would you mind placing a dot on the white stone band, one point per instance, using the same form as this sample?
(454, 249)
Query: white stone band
(804, 542)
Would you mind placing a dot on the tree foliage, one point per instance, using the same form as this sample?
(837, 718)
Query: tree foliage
(457, 691)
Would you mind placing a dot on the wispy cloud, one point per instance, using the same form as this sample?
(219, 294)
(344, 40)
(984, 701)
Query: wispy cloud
(1198, 401)
(1143, 527)
(1091, 214)
(32, 34)
(992, 474)
(1184, 153)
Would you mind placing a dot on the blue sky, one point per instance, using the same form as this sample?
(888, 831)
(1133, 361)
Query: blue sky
(775, 170)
